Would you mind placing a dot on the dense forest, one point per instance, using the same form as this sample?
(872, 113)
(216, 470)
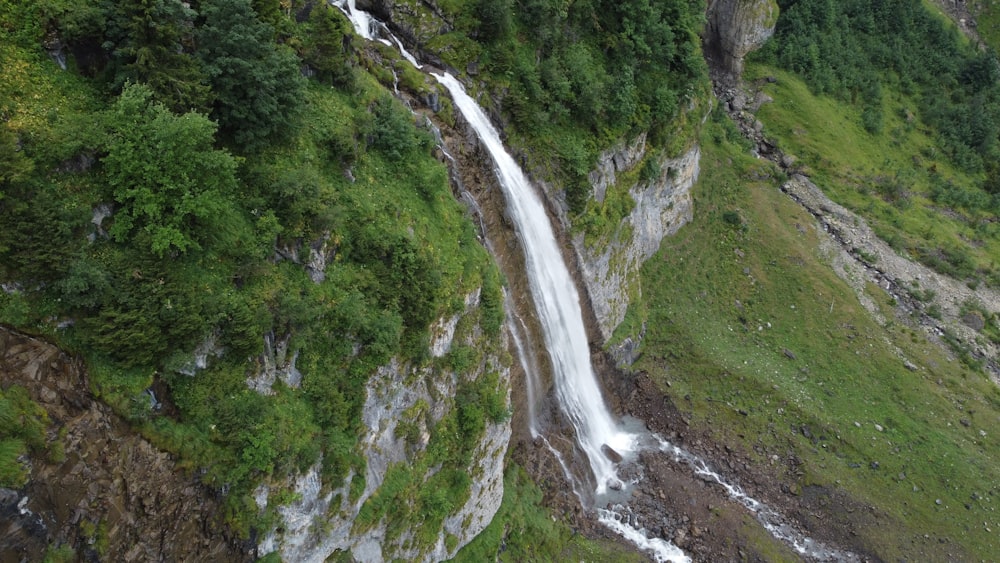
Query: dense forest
(165, 192)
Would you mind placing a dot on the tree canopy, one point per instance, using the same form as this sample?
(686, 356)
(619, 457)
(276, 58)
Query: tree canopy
(257, 84)
(171, 184)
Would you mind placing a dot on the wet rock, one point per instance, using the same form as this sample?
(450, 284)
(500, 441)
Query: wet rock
(433, 101)
(611, 454)
(630, 471)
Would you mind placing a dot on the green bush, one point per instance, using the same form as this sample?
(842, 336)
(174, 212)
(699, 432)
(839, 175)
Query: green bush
(22, 429)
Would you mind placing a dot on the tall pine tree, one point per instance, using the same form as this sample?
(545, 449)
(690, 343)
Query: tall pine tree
(257, 83)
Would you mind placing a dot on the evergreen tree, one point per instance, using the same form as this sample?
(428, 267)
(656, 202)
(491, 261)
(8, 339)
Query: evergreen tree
(257, 83)
(326, 46)
(150, 39)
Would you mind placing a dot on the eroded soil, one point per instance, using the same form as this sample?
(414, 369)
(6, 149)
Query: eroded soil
(113, 496)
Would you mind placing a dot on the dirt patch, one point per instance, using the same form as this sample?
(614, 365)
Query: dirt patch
(114, 496)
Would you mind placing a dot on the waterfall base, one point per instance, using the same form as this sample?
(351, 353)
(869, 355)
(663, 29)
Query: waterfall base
(730, 508)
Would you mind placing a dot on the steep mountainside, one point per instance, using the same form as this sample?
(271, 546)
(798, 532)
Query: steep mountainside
(97, 485)
(267, 301)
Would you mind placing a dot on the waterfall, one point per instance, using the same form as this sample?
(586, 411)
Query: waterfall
(364, 23)
(558, 307)
(556, 300)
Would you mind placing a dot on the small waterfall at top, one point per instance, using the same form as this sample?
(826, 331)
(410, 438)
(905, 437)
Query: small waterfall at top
(558, 308)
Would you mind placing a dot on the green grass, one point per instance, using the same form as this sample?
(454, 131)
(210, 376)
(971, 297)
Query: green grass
(887, 177)
(987, 16)
(357, 172)
(22, 429)
(723, 303)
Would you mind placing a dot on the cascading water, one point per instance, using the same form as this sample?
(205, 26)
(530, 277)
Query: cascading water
(556, 301)
(363, 22)
(558, 308)
(552, 287)
(558, 305)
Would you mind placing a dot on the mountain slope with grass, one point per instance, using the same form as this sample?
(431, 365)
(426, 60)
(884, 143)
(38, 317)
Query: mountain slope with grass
(236, 250)
(863, 399)
(248, 227)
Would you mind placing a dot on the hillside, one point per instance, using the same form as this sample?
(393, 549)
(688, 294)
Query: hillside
(273, 259)
(848, 369)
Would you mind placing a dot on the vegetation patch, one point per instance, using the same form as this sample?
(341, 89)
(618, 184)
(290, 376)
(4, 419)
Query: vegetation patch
(523, 530)
(765, 348)
(157, 198)
(905, 131)
(22, 430)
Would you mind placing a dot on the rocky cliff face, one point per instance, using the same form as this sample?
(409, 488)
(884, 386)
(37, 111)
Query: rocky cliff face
(111, 495)
(403, 405)
(734, 28)
(415, 21)
(610, 266)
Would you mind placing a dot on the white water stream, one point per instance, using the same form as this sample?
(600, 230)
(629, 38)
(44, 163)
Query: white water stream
(558, 307)
(556, 301)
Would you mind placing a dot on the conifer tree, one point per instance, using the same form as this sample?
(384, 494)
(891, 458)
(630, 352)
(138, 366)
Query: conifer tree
(257, 83)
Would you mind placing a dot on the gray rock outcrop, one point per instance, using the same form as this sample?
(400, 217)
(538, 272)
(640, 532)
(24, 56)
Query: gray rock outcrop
(321, 521)
(663, 205)
(734, 28)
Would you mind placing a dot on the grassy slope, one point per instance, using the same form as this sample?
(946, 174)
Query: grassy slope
(847, 369)
(887, 177)
(987, 17)
(405, 199)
